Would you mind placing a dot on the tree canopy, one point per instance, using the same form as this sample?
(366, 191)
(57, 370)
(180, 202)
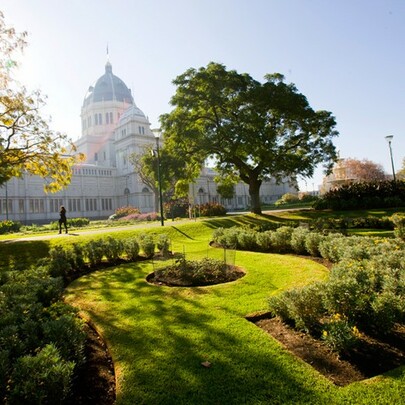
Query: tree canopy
(27, 144)
(364, 170)
(252, 130)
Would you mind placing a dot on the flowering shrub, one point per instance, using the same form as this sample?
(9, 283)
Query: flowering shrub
(339, 334)
(211, 209)
(125, 211)
(147, 216)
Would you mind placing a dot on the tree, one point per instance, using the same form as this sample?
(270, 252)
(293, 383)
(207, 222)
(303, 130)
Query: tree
(253, 130)
(27, 144)
(171, 172)
(364, 170)
(401, 173)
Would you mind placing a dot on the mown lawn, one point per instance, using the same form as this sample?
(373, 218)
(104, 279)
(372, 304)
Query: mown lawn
(159, 336)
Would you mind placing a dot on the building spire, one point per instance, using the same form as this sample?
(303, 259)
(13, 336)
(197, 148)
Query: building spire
(108, 55)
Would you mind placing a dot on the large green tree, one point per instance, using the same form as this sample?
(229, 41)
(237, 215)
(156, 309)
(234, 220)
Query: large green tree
(27, 144)
(253, 130)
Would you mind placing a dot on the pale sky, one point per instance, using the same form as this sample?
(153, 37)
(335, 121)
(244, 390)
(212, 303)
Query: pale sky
(345, 56)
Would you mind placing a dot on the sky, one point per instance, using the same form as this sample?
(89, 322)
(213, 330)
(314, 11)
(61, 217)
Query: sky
(345, 56)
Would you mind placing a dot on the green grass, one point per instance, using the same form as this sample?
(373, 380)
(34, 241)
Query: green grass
(159, 336)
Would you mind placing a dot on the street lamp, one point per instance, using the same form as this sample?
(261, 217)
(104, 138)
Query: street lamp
(157, 137)
(389, 140)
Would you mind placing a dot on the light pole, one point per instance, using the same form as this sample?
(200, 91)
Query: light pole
(157, 137)
(389, 140)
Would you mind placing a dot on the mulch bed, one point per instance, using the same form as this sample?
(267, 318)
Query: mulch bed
(95, 382)
(370, 358)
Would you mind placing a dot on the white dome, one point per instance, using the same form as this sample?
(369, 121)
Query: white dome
(132, 113)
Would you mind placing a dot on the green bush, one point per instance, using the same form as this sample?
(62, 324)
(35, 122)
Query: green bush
(131, 249)
(94, 252)
(340, 335)
(298, 240)
(263, 241)
(281, 239)
(147, 245)
(113, 249)
(312, 242)
(399, 223)
(7, 226)
(163, 245)
(303, 306)
(44, 378)
(246, 239)
(330, 247)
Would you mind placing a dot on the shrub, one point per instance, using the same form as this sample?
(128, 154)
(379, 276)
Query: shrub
(147, 244)
(399, 223)
(298, 239)
(263, 240)
(7, 226)
(163, 245)
(125, 211)
(211, 209)
(44, 378)
(339, 334)
(312, 241)
(113, 249)
(199, 272)
(330, 248)
(131, 248)
(94, 252)
(281, 239)
(287, 198)
(246, 239)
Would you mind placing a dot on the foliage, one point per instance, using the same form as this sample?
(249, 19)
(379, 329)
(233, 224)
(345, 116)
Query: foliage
(147, 244)
(230, 116)
(211, 209)
(177, 208)
(125, 211)
(365, 195)
(44, 378)
(131, 248)
(399, 223)
(287, 198)
(7, 226)
(364, 170)
(195, 272)
(72, 223)
(163, 245)
(339, 335)
(27, 144)
(113, 249)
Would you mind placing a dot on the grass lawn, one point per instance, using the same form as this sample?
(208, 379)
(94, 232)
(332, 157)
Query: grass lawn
(159, 336)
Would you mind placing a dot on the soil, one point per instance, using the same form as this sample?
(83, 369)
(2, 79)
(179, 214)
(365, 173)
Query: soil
(370, 358)
(95, 382)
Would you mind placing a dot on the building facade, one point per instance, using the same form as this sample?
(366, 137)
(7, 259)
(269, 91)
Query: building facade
(113, 128)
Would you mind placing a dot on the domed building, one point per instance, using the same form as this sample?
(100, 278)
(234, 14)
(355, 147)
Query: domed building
(113, 128)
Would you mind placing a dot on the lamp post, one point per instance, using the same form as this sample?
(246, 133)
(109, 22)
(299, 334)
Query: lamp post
(389, 140)
(157, 137)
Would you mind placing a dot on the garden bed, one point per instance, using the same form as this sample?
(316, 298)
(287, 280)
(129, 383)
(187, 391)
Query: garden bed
(370, 358)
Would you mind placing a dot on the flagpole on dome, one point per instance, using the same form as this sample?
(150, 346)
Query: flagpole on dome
(108, 55)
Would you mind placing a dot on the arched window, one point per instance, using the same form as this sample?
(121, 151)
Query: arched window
(145, 190)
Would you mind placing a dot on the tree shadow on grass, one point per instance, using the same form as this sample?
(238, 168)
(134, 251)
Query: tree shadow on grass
(160, 337)
(22, 254)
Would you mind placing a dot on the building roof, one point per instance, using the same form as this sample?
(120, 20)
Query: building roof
(108, 88)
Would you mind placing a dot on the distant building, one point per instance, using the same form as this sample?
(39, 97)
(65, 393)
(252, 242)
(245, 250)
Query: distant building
(113, 128)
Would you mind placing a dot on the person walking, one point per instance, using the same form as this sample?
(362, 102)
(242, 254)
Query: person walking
(62, 219)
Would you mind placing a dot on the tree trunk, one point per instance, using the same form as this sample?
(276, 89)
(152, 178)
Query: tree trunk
(254, 192)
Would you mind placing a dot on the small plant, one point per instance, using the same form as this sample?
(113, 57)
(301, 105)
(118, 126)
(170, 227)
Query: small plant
(42, 378)
(147, 244)
(399, 223)
(8, 226)
(298, 239)
(131, 249)
(113, 249)
(339, 335)
(163, 245)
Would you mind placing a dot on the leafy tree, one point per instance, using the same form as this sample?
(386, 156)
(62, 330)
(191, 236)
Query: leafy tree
(27, 144)
(171, 173)
(253, 130)
(401, 174)
(364, 170)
